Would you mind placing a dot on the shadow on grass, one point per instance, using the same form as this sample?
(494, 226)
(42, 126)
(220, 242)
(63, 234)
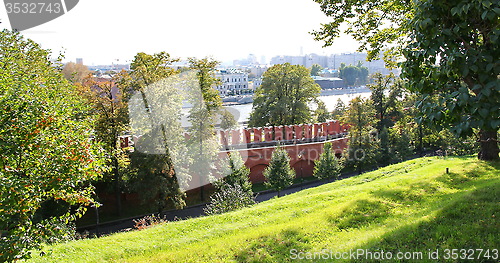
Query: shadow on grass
(413, 194)
(469, 222)
(361, 213)
(273, 248)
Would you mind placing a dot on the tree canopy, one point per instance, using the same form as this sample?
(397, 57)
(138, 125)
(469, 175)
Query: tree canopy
(46, 152)
(284, 96)
(447, 49)
(453, 52)
(353, 75)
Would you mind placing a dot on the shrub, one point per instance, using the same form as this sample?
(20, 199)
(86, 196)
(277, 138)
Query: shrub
(229, 198)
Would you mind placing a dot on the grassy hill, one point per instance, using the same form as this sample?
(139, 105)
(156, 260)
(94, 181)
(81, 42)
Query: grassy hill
(413, 206)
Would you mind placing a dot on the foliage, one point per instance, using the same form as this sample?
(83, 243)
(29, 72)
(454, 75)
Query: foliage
(75, 73)
(321, 113)
(353, 75)
(279, 174)
(235, 173)
(205, 71)
(401, 142)
(203, 146)
(109, 111)
(449, 50)
(147, 69)
(154, 177)
(339, 110)
(363, 143)
(156, 121)
(327, 166)
(316, 69)
(453, 50)
(388, 110)
(234, 189)
(283, 97)
(228, 120)
(387, 107)
(46, 153)
(229, 198)
(379, 26)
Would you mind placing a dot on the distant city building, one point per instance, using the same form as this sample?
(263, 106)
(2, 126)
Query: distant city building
(249, 61)
(234, 81)
(293, 60)
(333, 61)
(375, 66)
(114, 67)
(312, 59)
(258, 71)
(79, 61)
(253, 85)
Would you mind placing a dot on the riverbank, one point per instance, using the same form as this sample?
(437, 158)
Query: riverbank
(248, 99)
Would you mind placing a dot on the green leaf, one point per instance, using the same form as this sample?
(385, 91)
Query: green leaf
(490, 66)
(495, 124)
(486, 92)
(465, 71)
(484, 14)
(483, 112)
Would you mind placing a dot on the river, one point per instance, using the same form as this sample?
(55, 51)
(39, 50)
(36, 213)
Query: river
(244, 110)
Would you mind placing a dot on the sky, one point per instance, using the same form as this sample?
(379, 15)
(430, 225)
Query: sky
(113, 31)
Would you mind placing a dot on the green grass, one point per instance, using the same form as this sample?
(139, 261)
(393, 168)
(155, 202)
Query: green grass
(410, 207)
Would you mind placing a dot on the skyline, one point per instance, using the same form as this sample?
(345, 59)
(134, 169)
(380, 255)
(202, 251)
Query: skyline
(114, 31)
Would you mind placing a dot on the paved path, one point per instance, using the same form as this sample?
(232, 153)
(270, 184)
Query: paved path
(192, 211)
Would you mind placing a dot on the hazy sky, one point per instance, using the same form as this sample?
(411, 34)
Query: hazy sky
(104, 31)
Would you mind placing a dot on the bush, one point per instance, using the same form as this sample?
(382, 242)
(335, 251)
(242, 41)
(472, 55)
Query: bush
(229, 198)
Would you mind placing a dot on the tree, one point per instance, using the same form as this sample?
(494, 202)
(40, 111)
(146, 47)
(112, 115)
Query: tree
(453, 50)
(154, 177)
(354, 75)
(46, 157)
(234, 190)
(449, 50)
(110, 113)
(316, 69)
(387, 107)
(206, 104)
(154, 106)
(279, 174)
(283, 97)
(363, 144)
(235, 173)
(75, 73)
(402, 145)
(327, 166)
(339, 110)
(387, 111)
(228, 120)
(321, 113)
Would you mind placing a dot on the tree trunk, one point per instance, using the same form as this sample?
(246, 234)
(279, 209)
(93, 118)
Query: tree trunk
(118, 192)
(489, 145)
